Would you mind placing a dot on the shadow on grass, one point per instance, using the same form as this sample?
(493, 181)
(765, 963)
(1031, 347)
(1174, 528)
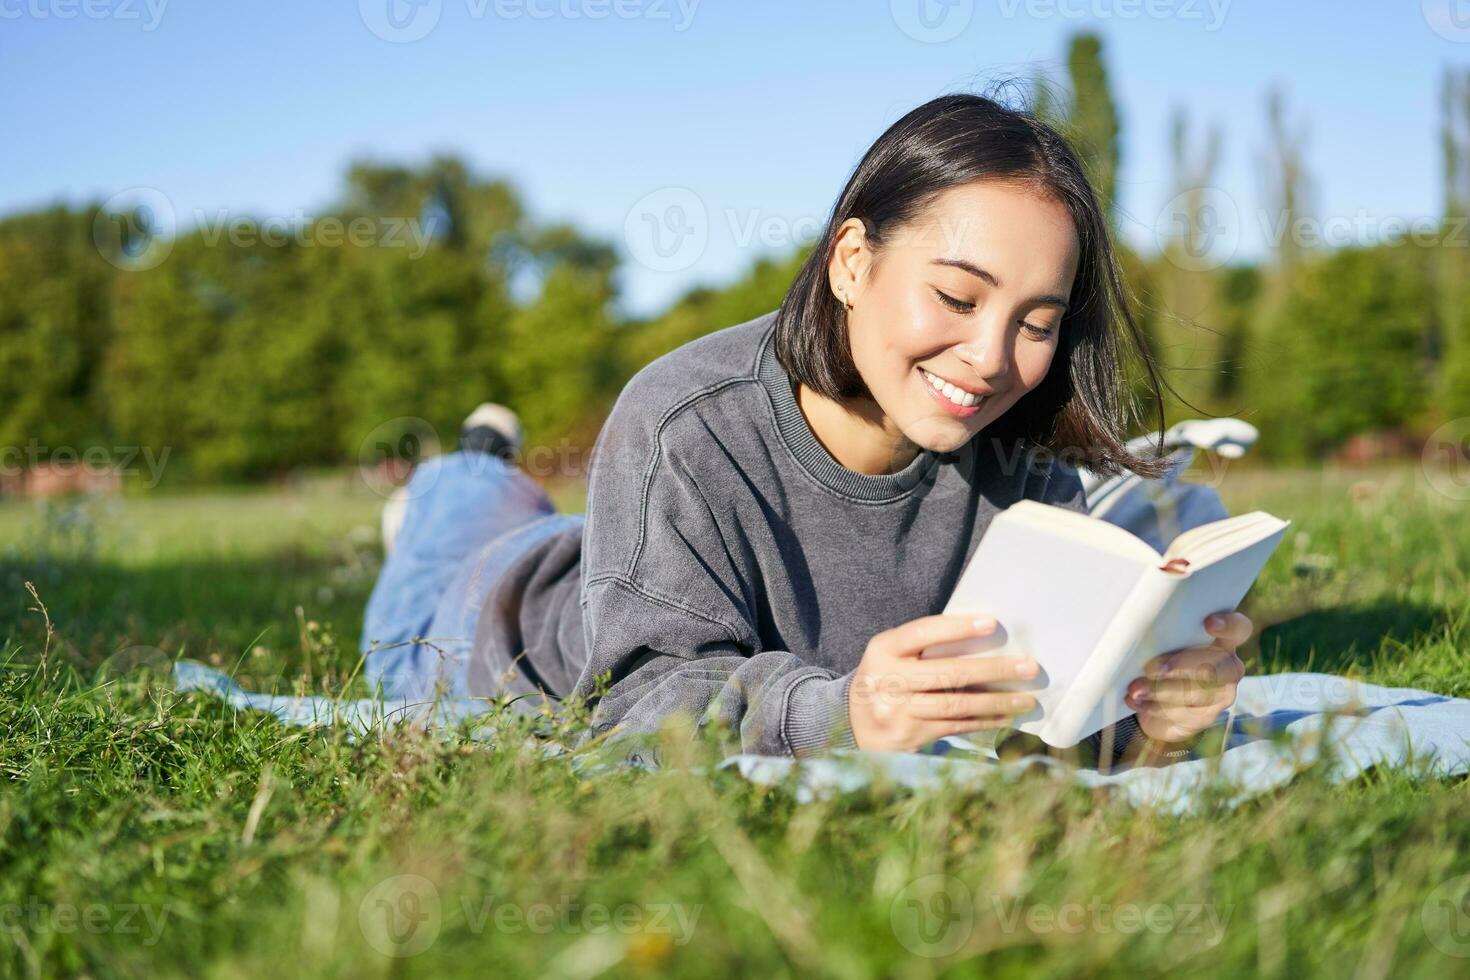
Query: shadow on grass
(202, 607)
(1335, 640)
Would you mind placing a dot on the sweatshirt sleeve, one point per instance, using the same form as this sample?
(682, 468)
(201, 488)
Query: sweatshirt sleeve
(668, 611)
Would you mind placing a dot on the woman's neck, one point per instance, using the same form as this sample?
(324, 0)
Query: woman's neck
(856, 433)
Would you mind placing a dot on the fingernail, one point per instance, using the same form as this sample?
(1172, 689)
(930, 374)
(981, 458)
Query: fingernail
(1216, 620)
(1028, 668)
(1020, 701)
(984, 622)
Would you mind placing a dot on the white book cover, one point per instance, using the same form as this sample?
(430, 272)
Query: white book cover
(1092, 604)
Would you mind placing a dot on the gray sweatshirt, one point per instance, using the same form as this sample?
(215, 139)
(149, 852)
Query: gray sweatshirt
(728, 567)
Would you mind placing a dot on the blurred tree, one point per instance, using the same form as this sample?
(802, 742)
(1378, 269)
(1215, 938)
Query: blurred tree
(1288, 188)
(55, 324)
(1092, 119)
(1343, 352)
(557, 361)
(1449, 345)
(1196, 217)
(1240, 291)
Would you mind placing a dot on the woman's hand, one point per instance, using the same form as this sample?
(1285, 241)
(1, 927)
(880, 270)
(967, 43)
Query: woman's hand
(1182, 693)
(899, 702)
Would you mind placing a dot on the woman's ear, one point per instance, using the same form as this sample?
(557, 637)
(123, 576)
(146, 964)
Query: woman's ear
(851, 256)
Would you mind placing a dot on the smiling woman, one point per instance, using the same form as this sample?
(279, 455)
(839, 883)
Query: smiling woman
(777, 511)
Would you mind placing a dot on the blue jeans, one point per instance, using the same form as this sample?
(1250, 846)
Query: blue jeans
(468, 514)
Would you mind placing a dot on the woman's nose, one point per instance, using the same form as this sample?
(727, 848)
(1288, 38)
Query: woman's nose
(988, 353)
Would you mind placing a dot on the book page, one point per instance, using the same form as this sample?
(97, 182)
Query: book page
(1054, 597)
(1216, 586)
(1093, 609)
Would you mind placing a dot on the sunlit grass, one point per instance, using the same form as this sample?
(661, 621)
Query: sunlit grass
(201, 841)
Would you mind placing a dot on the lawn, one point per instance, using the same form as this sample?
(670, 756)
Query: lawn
(151, 833)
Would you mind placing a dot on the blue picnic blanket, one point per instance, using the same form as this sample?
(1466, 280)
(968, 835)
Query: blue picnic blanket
(1281, 725)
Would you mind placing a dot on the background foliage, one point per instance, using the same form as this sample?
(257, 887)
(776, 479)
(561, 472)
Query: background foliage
(249, 358)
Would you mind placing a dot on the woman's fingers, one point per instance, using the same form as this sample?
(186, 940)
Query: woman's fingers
(911, 638)
(958, 673)
(1179, 693)
(1210, 663)
(970, 705)
(1229, 629)
(951, 674)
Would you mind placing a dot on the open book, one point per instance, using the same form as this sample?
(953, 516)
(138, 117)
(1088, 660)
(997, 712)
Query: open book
(1092, 604)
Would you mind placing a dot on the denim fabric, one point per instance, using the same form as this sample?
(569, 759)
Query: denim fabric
(461, 507)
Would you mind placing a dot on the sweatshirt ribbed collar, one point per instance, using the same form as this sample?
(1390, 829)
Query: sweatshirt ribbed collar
(813, 456)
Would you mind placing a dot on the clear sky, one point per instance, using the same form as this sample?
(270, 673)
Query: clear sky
(748, 114)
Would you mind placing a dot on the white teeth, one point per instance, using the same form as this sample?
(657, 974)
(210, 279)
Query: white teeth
(957, 395)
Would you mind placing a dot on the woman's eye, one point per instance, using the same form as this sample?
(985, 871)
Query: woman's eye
(1040, 333)
(958, 305)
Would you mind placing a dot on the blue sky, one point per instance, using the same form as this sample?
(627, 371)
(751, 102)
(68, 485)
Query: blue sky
(749, 113)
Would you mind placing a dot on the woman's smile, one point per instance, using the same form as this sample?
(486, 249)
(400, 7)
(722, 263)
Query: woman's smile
(959, 402)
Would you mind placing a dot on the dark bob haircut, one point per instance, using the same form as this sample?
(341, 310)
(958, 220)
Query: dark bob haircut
(1079, 411)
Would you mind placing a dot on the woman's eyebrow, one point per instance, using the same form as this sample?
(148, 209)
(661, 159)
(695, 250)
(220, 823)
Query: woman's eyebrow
(975, 270)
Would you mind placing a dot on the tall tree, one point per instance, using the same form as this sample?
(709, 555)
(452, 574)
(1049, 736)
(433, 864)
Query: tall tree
(1288, 188)
(1092, 119)
(1189, 340)
(1449, 344)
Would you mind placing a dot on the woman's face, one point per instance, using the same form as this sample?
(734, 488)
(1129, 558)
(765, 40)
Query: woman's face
(958, 316)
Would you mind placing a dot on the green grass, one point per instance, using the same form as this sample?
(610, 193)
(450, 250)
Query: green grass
(190, 840)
